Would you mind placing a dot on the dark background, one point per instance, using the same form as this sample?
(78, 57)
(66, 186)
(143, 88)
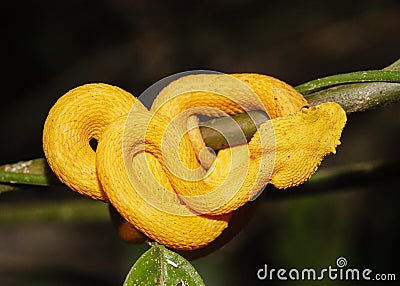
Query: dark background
(50, 47)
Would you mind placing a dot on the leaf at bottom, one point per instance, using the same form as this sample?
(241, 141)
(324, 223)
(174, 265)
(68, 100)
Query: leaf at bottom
(160, 266)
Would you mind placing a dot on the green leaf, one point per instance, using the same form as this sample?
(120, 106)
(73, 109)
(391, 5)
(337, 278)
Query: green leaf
(160, 266)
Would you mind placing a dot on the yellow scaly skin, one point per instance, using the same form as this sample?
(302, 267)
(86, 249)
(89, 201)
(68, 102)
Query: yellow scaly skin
(285, 150)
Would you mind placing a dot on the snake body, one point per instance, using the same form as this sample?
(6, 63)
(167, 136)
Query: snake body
(147, 162)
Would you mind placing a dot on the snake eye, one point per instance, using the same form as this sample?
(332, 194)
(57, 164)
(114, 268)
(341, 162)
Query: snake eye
(305, 108)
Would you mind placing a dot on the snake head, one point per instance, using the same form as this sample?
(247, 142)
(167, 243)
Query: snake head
(302, 140)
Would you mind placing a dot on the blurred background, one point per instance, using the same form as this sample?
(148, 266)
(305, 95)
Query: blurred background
(49, 47)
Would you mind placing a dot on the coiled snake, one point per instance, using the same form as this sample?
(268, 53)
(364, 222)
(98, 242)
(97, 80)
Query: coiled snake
(153, 167)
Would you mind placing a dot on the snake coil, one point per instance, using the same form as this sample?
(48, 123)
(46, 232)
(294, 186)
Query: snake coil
(153, 166)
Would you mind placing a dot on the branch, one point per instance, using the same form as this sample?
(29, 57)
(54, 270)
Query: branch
(32, 172)
(361, 96)
(340, 79)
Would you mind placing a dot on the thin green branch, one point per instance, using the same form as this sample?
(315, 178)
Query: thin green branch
(32, 172)
(360, 97)
(360, 76)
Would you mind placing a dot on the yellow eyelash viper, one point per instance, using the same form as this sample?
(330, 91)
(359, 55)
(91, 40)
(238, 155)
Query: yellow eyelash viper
(147, 162)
